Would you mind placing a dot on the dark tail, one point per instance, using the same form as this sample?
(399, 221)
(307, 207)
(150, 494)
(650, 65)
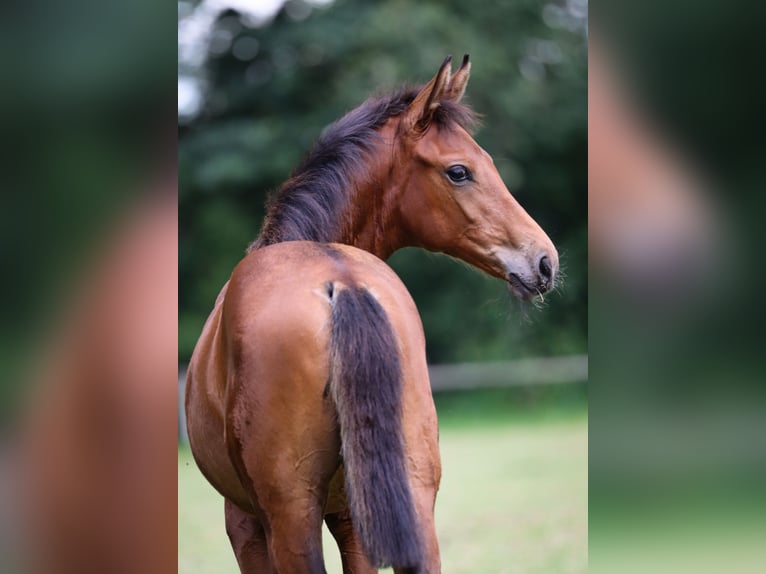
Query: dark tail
(366, 386)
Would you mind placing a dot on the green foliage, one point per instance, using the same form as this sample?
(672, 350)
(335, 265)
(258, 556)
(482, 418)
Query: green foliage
(262, 114)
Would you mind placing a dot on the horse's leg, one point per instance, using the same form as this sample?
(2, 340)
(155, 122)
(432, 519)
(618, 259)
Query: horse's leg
(289, 459)
(351, 553)
(295, 535)
(248, 540)
(293, 544)
(289, 462)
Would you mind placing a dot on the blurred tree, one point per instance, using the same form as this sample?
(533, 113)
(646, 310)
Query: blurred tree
(271, 90)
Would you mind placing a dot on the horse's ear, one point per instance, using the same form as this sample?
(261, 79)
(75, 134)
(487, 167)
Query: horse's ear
(456, 87)
(420, 111)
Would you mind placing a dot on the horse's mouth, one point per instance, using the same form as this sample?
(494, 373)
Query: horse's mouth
(520, 289)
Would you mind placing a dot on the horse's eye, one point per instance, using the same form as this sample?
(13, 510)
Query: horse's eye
(458, 173)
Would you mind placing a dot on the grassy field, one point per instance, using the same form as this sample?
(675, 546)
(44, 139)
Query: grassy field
(513, 498)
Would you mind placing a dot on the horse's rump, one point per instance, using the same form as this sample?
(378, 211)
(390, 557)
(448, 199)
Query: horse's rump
(310, 368)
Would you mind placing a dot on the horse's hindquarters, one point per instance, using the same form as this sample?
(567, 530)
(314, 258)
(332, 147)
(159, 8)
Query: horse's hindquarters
(262, 413)
(256, 388)
(205, 413)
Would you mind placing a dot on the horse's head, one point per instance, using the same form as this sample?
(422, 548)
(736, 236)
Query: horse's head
(452, 199)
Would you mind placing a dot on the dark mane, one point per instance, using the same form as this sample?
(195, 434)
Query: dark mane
(311, 204)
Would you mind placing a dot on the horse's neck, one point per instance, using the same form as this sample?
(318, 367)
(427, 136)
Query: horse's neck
(368, 218)
(370, 225)
(374, 219)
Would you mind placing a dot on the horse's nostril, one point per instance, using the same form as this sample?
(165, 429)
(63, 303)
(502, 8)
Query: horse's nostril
(545, 268)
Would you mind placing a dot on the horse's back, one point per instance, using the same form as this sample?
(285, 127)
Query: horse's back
(283, 292)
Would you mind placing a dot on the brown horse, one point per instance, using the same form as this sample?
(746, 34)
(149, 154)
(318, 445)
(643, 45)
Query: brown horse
(308, 394)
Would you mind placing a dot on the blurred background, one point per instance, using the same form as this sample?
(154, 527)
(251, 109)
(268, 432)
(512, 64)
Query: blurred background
(256, 88)
(677, 457)
(675, 316)
(88, 252)
(257, 83)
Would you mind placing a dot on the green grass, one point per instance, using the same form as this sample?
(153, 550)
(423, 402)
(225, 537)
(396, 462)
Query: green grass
(513, 498)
